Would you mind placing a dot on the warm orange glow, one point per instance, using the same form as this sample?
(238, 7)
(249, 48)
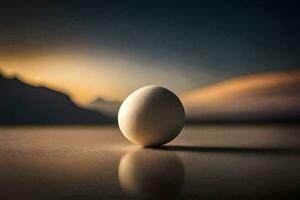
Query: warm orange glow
(85, 77)
(220, 92)
(58, 73)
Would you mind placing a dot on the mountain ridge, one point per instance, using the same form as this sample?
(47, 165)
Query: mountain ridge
(109, 108)
(22, 103)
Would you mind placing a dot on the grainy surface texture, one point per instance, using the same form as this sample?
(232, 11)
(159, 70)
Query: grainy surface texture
(204, 162)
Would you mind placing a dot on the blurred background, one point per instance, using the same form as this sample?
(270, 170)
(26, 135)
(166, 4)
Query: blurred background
(74, 63)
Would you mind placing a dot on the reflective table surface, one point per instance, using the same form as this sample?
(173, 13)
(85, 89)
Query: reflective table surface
(204, 162)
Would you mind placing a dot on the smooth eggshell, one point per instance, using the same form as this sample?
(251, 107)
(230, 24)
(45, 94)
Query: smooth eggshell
(151, 116)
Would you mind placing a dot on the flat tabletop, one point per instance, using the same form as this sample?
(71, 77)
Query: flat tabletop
(97, 162)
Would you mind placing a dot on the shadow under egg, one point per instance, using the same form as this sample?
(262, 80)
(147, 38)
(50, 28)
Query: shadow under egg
(151, 173)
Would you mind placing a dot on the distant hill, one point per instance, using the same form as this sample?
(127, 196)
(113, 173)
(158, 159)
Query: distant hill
(262, 97)
(109, 108)
(21, 103)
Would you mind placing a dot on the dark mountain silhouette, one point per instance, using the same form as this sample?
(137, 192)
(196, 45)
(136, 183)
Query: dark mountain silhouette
(109, 108)
(21, 103)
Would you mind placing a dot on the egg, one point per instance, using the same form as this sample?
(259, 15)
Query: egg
(151, 116)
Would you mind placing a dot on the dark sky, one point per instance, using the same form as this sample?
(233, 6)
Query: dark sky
(232, 37)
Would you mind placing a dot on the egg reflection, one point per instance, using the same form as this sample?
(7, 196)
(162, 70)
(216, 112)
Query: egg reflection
(151, 173)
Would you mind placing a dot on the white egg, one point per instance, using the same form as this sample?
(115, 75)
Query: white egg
(151, 116)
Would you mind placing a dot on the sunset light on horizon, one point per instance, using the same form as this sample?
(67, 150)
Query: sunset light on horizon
(85, 78)
(150, 100)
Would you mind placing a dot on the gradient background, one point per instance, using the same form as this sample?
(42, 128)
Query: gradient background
(95, 49)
